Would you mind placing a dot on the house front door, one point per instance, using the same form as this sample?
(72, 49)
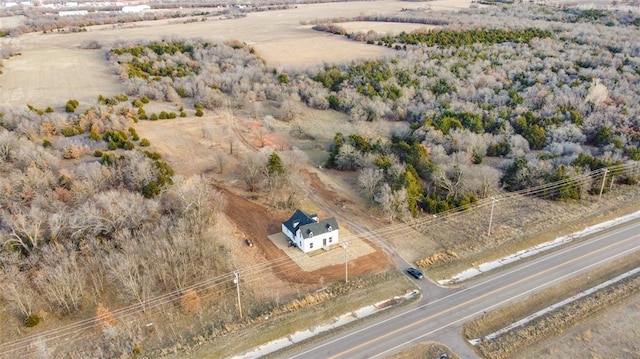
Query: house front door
(324, 242)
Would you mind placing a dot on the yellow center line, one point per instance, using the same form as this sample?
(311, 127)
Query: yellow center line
(475, 299)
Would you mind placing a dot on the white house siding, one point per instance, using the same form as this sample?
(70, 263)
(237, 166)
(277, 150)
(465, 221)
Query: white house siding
(310, 234)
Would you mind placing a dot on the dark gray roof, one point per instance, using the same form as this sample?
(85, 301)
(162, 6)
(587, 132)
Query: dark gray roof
(329, 224)
(298, 219)
(308, 225)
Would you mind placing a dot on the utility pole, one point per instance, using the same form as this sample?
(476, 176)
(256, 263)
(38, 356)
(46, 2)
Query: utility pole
(493, 203)
(346, 264)
(236, 280)
(611, 183)
(604, 178)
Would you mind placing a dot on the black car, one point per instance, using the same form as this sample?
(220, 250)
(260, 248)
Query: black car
(415, 273)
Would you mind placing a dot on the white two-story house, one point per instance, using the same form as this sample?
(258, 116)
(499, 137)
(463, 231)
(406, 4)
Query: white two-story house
(309, 234)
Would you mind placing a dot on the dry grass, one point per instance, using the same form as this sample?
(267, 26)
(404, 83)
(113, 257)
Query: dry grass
(517, 224)
(555, 322)
(613, 333)
(310, 310)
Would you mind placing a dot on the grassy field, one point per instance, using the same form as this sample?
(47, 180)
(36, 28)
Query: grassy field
(518, 224)
(59, 70)
(557, 321)
(364, 291)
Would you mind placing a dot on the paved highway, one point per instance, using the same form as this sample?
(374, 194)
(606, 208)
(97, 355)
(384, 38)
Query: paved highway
(441, 312)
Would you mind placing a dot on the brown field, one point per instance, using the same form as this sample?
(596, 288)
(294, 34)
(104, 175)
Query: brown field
(11, 21)
(53, 69)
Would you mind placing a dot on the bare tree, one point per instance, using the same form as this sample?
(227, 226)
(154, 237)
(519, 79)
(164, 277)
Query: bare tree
(26, 229)
(393, 203)
(369, 180)
(251, 170)
(17, 292)
(131, 273)
(221, 160)
(61, 278)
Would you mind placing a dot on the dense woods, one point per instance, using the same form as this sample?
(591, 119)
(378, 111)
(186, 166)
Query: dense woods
(497, 99)
(485, 105)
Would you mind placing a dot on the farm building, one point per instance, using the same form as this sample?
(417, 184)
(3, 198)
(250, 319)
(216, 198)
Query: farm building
(73, 13)
(307, 233)
(136, 8)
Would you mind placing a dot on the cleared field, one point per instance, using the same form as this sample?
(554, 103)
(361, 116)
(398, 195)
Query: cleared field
(50, 77)
(53, 69)
(11, 21)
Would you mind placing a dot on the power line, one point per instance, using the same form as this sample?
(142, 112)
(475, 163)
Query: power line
(286, 266)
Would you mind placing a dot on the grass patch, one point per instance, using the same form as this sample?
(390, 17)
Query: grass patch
(554, 322)
(360, 292)
(511, 233)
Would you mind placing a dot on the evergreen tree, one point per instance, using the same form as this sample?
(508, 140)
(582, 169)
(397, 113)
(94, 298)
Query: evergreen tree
(274, 165)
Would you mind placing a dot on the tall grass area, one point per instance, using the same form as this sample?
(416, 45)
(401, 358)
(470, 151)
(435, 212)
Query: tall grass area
(308, 311)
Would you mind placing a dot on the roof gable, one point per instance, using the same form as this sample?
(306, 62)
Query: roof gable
(316, 228)
(298, 219)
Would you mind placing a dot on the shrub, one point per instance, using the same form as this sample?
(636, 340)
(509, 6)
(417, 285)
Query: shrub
(199, 112)
(153, 117)
(150, 190)
(183, 114)
(163, 115)
(181, 92)
(190, 301)
(48, 109)
(153, 155)
(68, 132)
(72, 152)
(128, 146)
(172, 115)
(283, 78)
(31, 321)
(107, 159)
(97, 153)
(94, 135)
(145, 143)
(144, 99)
(46, 143)
(137, 103)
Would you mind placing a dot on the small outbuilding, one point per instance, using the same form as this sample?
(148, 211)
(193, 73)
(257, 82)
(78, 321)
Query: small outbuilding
(308, 233)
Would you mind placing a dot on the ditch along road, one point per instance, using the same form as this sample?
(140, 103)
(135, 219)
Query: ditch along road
(441, 312)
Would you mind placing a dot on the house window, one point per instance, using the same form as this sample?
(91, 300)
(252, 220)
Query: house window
(311, 245)
(330, 239)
